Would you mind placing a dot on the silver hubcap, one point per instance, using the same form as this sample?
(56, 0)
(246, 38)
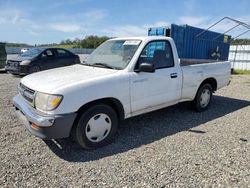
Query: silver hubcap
(98, 127)
(205, 97)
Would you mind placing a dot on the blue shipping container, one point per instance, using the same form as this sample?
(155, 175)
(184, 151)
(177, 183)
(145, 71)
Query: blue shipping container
(195, 43)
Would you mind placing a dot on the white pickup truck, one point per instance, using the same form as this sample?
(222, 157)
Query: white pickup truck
(122, 78)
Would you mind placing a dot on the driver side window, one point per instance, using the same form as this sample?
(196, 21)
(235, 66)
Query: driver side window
(48, 54)
(158, 53)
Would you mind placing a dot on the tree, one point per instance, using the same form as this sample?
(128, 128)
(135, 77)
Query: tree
(93, 41)
(241, 42)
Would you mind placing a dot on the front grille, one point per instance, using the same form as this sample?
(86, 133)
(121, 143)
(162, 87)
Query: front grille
(27, 93)
(13, 63)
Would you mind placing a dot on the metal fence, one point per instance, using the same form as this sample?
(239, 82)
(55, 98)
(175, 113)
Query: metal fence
(239, 57)
(16, 50)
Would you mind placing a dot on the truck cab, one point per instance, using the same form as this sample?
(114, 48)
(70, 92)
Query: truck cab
(161, 87)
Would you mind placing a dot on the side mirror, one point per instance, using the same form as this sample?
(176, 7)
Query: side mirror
(146, 67)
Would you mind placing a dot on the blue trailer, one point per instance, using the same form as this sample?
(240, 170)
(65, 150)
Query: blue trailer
(195, 43)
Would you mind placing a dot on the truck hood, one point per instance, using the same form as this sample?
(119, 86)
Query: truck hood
(50, 80)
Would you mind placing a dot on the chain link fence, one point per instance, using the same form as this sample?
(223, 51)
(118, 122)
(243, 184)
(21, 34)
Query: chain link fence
(16, 50)
(239, 55)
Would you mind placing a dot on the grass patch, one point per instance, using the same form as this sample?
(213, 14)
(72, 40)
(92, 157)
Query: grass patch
(237, 71)
(65, 46)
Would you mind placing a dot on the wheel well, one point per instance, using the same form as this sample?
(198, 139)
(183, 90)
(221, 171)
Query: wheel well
(35, 65)
(112, 102)
(212, 82)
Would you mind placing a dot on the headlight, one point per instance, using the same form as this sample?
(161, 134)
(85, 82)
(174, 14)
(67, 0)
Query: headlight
(25, 62)
(47, 102)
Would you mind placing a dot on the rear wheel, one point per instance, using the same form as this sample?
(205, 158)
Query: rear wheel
(34, 69)
(95, 127)
(203, 98)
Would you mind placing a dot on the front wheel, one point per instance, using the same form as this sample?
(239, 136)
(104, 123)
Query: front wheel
(96, 127)
(34, 69)
(203, 98)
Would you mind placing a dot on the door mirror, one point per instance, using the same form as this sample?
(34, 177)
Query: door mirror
(146, 67)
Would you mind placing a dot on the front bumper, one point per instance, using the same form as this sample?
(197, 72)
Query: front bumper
(48, 126)
(21, 69)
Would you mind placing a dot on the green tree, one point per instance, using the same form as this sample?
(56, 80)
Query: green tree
(241, 42)
(92, 41)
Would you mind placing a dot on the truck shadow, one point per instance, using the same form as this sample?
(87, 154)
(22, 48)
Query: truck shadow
(149, 128)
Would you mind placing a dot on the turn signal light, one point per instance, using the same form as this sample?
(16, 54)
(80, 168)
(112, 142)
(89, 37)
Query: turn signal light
(34, 126)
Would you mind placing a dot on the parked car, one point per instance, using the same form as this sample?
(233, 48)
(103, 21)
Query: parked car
(3, 55)
(37, 59)
(24, 50)
(122, 78)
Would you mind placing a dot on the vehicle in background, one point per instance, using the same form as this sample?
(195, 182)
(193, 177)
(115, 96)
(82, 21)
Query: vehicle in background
(24, 50)
(3, 55)
(122, 78)
(38, 59)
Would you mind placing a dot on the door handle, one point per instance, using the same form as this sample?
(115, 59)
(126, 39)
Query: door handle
(173, 75)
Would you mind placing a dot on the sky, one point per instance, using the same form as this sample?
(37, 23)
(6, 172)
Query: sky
(51, 21)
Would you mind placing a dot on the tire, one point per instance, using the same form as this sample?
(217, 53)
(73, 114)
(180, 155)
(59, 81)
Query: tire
(203, 98)
(87, 133)
(34, 69)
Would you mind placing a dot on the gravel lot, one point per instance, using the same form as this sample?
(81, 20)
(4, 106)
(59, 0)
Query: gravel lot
(173, 147)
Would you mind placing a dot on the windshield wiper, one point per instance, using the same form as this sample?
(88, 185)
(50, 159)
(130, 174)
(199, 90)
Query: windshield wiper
(104, 65)
(86, 64)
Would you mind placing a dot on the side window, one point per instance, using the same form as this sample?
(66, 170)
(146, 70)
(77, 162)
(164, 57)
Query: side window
(62, 53)
(48, 54)
(158, 53)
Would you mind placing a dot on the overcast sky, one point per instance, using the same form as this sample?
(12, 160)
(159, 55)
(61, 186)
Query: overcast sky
(48, 21)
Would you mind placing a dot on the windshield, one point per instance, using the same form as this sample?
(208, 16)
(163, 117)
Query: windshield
(31, 52)
(114, 54)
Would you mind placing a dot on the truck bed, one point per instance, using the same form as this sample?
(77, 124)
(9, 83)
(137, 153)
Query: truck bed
(185, 62)
(194, 72)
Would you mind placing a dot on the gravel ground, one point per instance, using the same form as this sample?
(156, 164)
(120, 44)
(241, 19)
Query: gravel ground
(173, 147)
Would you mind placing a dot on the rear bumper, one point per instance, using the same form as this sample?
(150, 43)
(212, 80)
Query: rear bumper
(48, 126)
